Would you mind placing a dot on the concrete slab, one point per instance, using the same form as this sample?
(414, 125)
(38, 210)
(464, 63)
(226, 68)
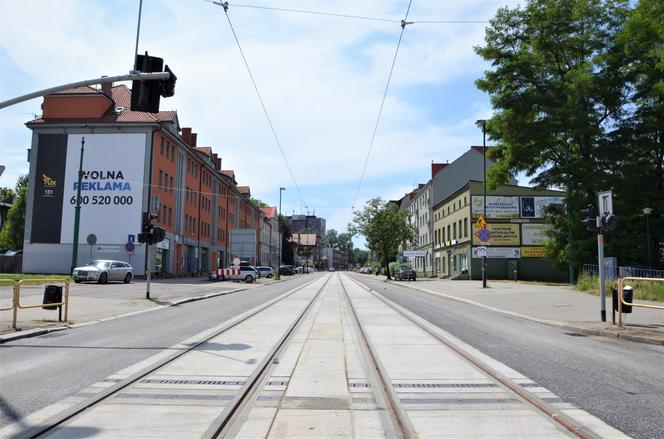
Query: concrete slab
(300, 424)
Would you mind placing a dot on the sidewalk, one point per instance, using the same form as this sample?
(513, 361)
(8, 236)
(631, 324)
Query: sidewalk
(113, 301)
(559, 306)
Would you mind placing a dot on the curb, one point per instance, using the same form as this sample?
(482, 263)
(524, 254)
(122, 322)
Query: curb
(552, 323)
(41, 331)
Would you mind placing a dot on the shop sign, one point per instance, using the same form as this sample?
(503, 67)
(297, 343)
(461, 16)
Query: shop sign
(535, 207)
(533, 252)
(534, 234)
(496, 206)
(164, 245)
(107, 249)
(414, 253)
(498, 234)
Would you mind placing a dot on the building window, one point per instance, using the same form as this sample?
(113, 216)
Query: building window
(454, 234)
(172, 152)
(161, 177)
(465, 227)
(171, 181)
(161, 149)
(460, 230)
(170, 216)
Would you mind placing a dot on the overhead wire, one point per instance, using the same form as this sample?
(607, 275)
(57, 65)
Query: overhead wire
(382, 105)
(260, 98)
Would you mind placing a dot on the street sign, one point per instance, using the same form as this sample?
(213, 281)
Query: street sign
(129, 247)
(131, 238)
(92, 239)
(605, 203)
(480, 252)
(236, 261)
(481, 223)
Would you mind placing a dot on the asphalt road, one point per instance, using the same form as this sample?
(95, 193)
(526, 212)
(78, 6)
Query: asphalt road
(618, 381)
(39, 371)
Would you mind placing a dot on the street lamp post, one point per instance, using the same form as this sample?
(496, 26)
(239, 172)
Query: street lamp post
(281, 235)
(647, 211)
(482, 124)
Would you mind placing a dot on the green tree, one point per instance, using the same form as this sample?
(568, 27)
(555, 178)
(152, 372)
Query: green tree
(557, 87)
(11, 235)
(259, 203)
(360, 256)
(385, 229)
(7, 195)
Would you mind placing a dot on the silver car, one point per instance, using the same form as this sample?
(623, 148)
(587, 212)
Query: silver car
(104, 270)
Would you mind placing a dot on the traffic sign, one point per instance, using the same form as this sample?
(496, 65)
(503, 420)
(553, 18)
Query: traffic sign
(484, 235)
(481, 223)
(129, 247)
(236, 261)
(481, 251)
(131, 238)
(92, 239)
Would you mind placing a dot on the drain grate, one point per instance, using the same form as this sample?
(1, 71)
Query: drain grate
(444, 385)
(358, 385)
(269, 398)
(172, 396)
(195, 382)
(574, 334)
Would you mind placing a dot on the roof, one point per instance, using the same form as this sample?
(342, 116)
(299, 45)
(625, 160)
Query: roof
(305, 239)
(269, 212)
(244, 189)
(121, 97)
(229, 173)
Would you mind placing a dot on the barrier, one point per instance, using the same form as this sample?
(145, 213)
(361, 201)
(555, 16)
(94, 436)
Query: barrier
(621, 301)
(16, 303)
(229, 273)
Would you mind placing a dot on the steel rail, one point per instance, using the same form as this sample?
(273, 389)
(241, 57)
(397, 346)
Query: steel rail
(557, 416)
(236, 406)
(403, 427)
(57, 420)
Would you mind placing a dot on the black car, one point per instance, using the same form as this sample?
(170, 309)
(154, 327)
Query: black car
(286, 270)
(405, 273)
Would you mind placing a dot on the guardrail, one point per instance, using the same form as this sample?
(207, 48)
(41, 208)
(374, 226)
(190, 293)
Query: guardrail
(614, 272)
(16, 296)
(621, 299)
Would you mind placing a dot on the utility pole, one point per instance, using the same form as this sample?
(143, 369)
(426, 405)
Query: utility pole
(281, 236)
(77, 210)
(482, 123)
(600, 261)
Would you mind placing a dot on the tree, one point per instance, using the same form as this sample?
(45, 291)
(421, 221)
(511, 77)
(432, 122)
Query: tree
(11, 235)
(287, 253)
(360, 256)
(385, 229)
(557, 87)
(7, 195)
(259, 203)
(330, 239)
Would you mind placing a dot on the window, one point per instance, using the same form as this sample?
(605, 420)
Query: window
(161, 177)
(465, 227)
(171, 185)
(170, 216)
(454, 234)
(442, 234)
(172, 152)
(161, 149)
(460, 230)
(163, 215)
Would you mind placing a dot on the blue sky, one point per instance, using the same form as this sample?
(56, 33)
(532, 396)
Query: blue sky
(322, 79)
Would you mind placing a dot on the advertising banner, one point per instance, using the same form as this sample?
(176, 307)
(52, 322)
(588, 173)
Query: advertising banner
(498, 252)
(535, 207)
(496, 207)
(111, 188)
(49, 188)
(533, 252)
(498, 234)
(414, 253)
(534, 234)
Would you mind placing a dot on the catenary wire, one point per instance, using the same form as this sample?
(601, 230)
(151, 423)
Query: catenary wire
(260, 98)
(382, 104)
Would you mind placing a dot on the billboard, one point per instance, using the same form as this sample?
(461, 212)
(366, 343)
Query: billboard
(535, 207)
(533, 252)
(111, 187)
(499, 234)
(534, 234)
(498, 252)
(496, 206)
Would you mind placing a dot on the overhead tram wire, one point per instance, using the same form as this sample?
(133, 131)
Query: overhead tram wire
(404, 23)
(260, 98)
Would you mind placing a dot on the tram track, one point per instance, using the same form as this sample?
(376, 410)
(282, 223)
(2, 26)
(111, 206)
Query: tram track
(528, 398)
(61, 419)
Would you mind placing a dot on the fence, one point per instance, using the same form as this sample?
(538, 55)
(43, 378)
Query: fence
(613, 272)
(16, 297)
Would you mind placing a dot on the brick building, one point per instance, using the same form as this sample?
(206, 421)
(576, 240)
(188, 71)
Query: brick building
(132, 162)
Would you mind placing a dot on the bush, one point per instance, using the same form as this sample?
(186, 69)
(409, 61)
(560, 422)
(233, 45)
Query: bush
(642, 290)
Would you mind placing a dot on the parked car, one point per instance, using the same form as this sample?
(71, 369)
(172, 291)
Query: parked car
(249, 274)
(365, 270)
(286, 270)
(405, 273)
(265, 271)
(330, 269)
(104, 270)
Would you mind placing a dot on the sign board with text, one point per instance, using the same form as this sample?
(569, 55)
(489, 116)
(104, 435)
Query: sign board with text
(534, 234)
(536, 207)
(496, 206)
(498, 234)
(498, 252)
(414, 253)
(533, 252)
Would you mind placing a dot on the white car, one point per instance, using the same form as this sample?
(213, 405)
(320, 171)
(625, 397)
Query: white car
(103, 270)
(265, 271)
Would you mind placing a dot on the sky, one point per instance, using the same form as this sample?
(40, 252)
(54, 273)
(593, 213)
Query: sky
(322, 79)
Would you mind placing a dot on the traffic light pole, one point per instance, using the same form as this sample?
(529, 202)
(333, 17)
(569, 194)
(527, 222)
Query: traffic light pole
(77, 211)
(602, 286)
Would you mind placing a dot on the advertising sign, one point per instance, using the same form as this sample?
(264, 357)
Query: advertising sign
(534, 234)
(498, 234)
(498, 252)
(111, 188)
(496, 207)
(533, 252)
(414, 253)
(535, 207)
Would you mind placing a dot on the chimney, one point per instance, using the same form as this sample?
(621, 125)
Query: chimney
(186, 135)
(193, 140)
(436, 168)
(106, 88)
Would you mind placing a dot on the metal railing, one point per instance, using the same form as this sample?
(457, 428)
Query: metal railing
(613, 272)
(621, 299)
(16, 296)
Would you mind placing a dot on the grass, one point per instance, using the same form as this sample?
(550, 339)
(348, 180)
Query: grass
(642, 290)
(38, 278)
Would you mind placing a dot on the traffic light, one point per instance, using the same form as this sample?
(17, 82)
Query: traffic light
(609, 222)
(145, 94)
(150, 234)
(589, 217)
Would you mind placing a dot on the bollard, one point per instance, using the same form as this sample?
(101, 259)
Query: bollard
(628, 296)
(516, 276)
